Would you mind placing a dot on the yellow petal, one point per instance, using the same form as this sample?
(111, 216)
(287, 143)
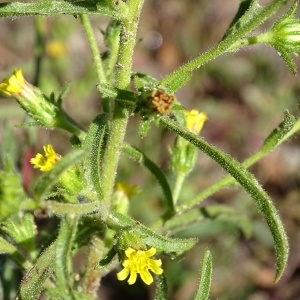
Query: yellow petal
(122, 275)
(132, 278)
(19, 76)
(150, 252)
(129, 251)
(146, 277)
(154, 266)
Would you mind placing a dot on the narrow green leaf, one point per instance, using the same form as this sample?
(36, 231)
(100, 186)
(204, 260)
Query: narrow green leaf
(140, 157)
(50, 8)
(281, 133)
(161, 292)
(63, 209)
(65, 90)
(107, 259)
(8, 149)
(144, 81)
(13, 252)
(93, 143)
(220, 48)
(247, 10)
(168, 245)
(33, 282)
(205, 279)
(64, 243)
(178, 80)
(249, 183)
(6, 247)
(47, 180)
(23, 231)
(12, 193)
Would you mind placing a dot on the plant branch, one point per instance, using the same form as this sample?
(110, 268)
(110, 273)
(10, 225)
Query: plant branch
(223, 46)
(119, 120)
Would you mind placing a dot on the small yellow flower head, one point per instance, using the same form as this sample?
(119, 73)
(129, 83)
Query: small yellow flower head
(55, 49)
(139, 262)
(47, 161)
(13, 85)
(41, 108)
(126, 189)
(195, 120)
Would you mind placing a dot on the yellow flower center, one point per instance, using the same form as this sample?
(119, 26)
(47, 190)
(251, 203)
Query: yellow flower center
(47, 161)
(139, 262)
(14, 84)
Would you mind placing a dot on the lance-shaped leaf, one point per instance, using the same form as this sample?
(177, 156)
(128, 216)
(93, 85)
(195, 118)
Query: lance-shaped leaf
(205, 277)
(168, 245)
(47, 180)
(247, 10)
(249, 183)
(13, 252)
(281, 133)
(33, 282)
(64, 244)
(161, 292)
(49, 7)
(63, 209)
(93, 144)
(6, 247)
(140, 157)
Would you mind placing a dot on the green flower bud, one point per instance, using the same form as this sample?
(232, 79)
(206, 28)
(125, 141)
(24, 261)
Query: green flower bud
(45, 110)
(184, 154)
(284, 36)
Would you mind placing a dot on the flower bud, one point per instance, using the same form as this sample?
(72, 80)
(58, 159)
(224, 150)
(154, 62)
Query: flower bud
(184, 154)
(284, 36)
(45, 110)
(31, 99)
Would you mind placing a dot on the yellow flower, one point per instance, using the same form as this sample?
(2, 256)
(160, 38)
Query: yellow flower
(14, 84)
(139, 262)
(47, 161)
(126, 189)
(55, 49)
(195, 120)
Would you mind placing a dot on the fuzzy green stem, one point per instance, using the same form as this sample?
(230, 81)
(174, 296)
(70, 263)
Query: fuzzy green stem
(39, 48)
(120, 116)
(94, 47)
(68, 124)
(224, 45)
(178, 186)
(91, 280)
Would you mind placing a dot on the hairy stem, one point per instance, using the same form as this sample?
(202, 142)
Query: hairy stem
(118, 122)
(224, 45)
(94, 47)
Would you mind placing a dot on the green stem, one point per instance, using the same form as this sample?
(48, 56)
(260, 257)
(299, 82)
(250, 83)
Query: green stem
(68, 124)
(178, 186)
(224, 45)
(96, 58)
(39, 48)
(91, 280)
(120, 116)
(94, 47)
